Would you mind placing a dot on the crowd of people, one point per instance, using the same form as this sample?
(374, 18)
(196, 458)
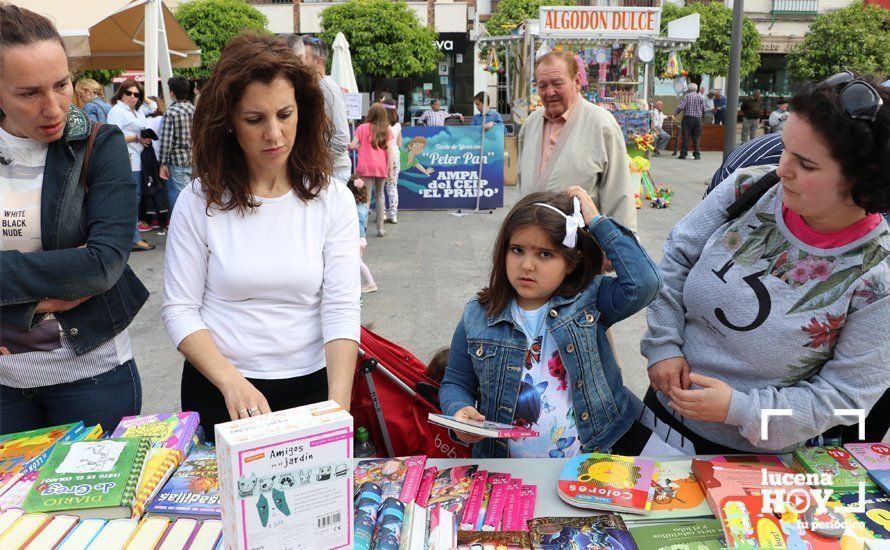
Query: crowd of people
(773, 292)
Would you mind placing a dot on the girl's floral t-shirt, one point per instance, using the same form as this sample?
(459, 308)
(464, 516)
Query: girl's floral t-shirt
(545, 401)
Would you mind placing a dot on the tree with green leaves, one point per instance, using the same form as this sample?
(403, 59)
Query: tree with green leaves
(385, 38)
(211, 24)
(855, 38)
(710, 53)
(102, 76)
(511, 13)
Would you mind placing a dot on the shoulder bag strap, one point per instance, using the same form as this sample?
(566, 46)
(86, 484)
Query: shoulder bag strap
(89, 153)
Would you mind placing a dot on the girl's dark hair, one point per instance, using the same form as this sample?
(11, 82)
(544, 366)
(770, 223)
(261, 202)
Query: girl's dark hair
(861, 147)
(126, 85)
(218, 159)
(585, 260)
(391, 112)
(22, 27)
(361, 195)
(483, 97)
(435, 369)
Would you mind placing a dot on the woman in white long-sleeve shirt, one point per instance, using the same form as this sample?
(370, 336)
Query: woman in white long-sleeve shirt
(261, 287)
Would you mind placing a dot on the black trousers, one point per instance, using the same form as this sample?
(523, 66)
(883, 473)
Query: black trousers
(691, 132)
(702, 445)
(200, 395)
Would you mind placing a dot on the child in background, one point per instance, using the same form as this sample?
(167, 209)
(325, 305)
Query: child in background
(531, 350)
(360, 192)
(435, 369)
(372, 139)
(392, 181)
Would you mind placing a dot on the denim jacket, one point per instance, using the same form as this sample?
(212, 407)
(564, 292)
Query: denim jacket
(86, 237)
(487, 353)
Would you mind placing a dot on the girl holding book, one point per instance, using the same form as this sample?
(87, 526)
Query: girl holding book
(531, 349)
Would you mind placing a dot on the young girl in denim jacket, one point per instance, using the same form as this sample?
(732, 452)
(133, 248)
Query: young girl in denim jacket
(531, 350)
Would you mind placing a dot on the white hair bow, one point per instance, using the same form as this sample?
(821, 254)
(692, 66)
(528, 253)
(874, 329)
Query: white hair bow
(573, 222)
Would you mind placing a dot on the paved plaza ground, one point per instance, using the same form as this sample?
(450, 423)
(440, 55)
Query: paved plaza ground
(427, 268)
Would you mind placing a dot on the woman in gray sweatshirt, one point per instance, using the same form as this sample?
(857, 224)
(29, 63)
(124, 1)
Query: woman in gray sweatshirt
(788, 305)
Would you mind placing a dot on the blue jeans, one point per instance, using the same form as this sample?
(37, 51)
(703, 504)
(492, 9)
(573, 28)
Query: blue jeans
(137, 176)
(180, 177)
(101, 399)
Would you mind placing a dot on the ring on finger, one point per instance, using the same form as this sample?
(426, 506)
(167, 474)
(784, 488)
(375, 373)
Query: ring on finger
(253, 410)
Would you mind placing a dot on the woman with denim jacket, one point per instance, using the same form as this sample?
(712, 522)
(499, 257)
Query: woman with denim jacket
(67, 294)
(531, 350)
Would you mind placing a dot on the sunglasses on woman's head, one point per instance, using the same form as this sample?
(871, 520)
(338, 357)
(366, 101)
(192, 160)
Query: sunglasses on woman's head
(858, 98)
(128, 93)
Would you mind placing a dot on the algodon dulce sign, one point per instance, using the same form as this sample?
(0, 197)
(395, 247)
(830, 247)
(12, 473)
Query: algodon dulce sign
(600, 21)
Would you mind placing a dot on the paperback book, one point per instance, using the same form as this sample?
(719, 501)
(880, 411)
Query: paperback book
(609, 482)
(159, 466)
(193, 490)
(397, 477)
(705, 534)
(845, 471)
(873, 523)
(604, 531)
(25, 452)
(677, 494)
(484, 428)
(451, 488)
(874, 457)
(171, 430)
(508, 540)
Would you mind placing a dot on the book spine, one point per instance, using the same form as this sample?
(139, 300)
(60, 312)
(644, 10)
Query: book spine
(152, 486)
(474, 501)
(426, 485)
(512, 507)
(189, 430)
(516, 432)
(128, 496)
(529, 495)
(413, 477)
(496, 504)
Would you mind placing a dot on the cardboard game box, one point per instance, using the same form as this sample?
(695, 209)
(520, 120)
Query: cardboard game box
(286, 479)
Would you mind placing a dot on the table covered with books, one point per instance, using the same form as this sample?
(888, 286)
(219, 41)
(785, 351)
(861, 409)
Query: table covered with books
(289, 479)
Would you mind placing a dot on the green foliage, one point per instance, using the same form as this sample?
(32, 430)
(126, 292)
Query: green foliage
(211, 24)
(710, 53)
(102, 76)
(510, 13)
(855, 38)
(385, 38)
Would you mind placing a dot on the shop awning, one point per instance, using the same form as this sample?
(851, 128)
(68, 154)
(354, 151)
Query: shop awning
(110, 34)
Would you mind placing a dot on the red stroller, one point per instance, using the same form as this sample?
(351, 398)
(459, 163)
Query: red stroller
(391, 397)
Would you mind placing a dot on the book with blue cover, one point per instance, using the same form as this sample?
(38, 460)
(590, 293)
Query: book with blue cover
(193, 491)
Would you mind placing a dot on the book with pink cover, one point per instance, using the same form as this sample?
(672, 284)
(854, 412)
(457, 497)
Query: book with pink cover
(474, 501)
(451, 488)
(397, 477)
(494, 478)
(426, 485)
(529, 495)
(496, 503)
(874, 457)
(15, 495)
(485, 428)
(171, 430)
(512, 517)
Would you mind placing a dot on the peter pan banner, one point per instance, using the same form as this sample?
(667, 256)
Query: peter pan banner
(440, 168)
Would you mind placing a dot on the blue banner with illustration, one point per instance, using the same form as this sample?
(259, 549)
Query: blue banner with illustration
(440, 168)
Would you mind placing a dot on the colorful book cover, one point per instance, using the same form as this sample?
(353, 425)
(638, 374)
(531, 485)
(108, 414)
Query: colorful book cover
(159, 466)
(25, 452)
(605, 531)
(485, 428)
(193, 490)
(705, 534)
(871, 524)
(845, 471)
(527, 512)
(15, 496)
(874, 457)
(678, 494)
(494, 478)
(367, 504)
(488, 539)
(497, 501)
(388, 531)
(474, 501)
(90, 433)
(769, 460)
(170, 430)
(512, 517)
(451, 488)
(90, 478)
(426, 485)
(398, 477)
(608, 482)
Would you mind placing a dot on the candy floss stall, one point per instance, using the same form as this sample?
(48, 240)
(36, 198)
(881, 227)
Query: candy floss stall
(615, 49)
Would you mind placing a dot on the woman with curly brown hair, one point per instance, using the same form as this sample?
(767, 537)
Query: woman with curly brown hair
(261, 288)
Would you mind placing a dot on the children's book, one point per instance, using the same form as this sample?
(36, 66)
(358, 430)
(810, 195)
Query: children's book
(470, 515)
(115, 534)
(845, 471)
(82, 534)
(678, 494)
(53, 532)
(90, 433)
(14, 497)
(497, 502)
(604, 531)
(193, 490)
(148, 533)
(366, 507)
(397, 477)
(487, 539)
(735, 493)
(171, 430)
(25, 452)
(451, 488)
(179, 534)
(527, 511)
(608, 482)
(388, 530)
(873, 523)
(24, 528)
(769, 460)
(160, 464)
(90, 478)
(874, 457)
(485, 428)
(286, 476)
(705, 534)
(207, 536)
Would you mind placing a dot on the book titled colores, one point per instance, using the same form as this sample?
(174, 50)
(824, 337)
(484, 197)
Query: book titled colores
(90, 479)
(484, 428)
(608, 482)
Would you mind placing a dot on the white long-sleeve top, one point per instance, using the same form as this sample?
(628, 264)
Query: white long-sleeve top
(272, 286)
